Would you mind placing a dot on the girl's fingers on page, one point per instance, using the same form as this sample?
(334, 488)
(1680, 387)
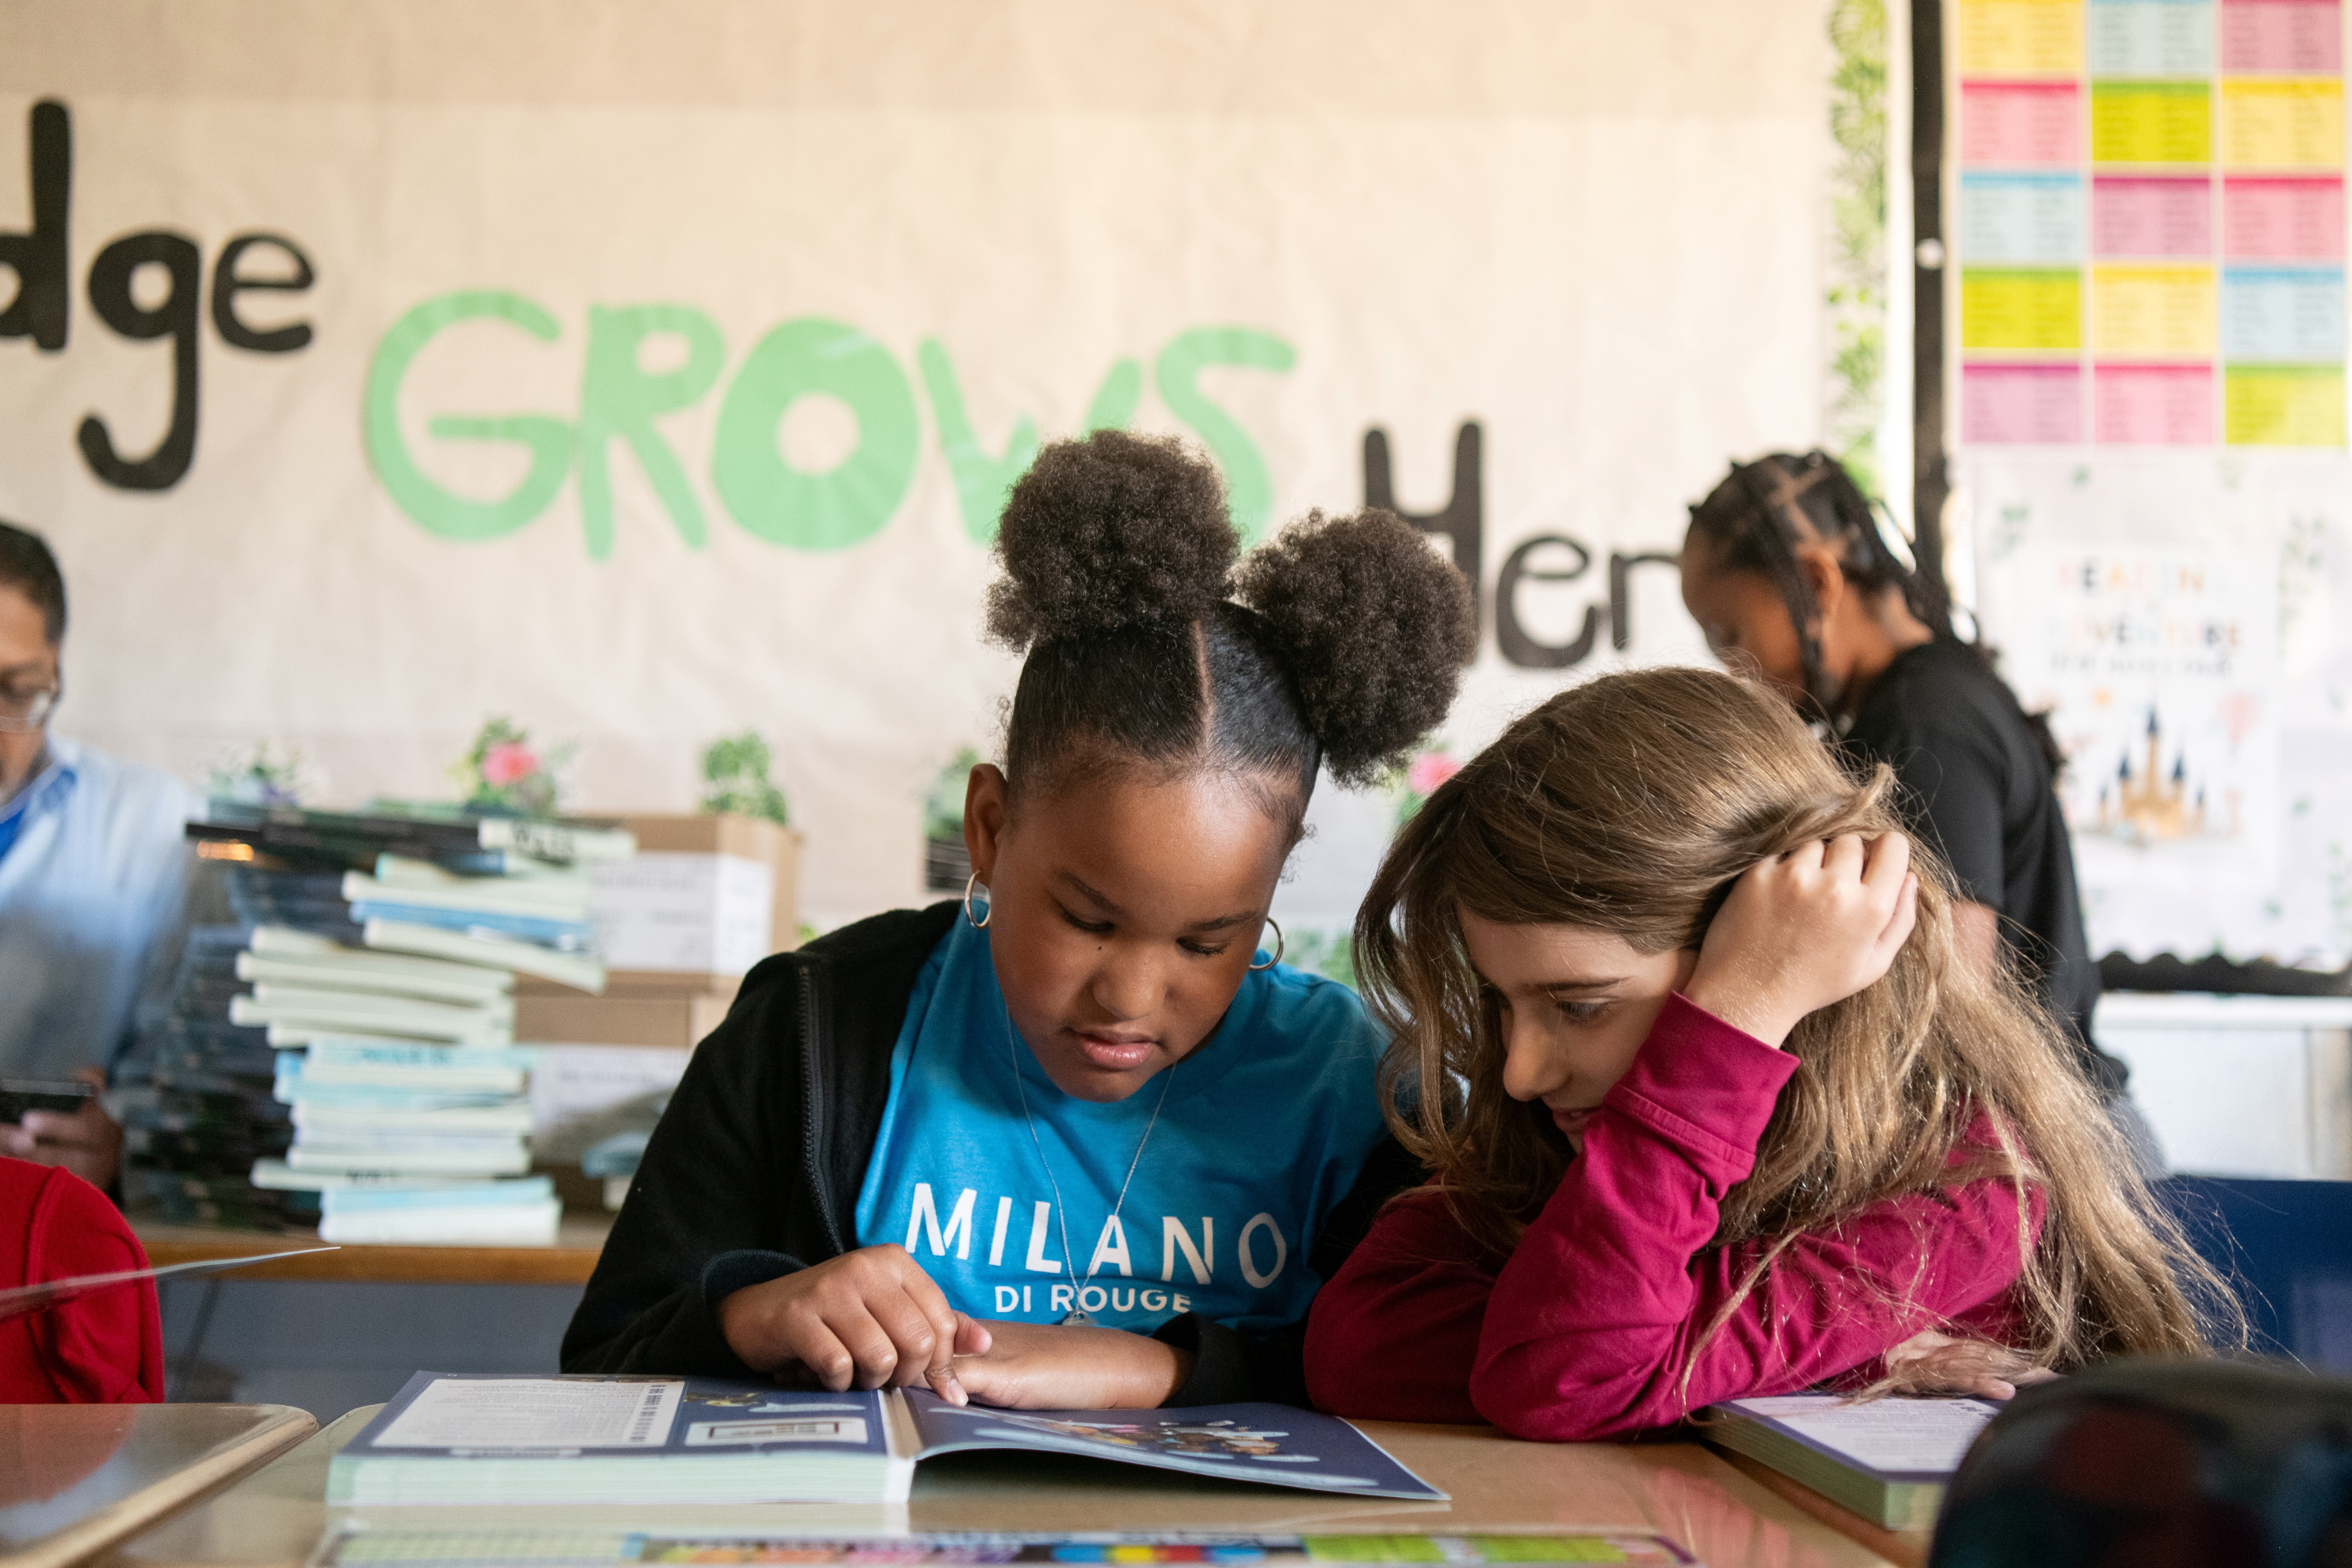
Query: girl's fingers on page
(818, 1348)
(926, 1355)
(973, 1337)
(873, 1354)
(925, 1329)
(908, 1329)
(940, 1320)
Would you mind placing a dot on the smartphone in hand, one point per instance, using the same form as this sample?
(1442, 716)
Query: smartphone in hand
(19, 1095)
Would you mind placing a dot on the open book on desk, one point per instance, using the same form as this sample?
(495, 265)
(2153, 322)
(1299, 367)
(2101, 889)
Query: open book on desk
(487, 1438)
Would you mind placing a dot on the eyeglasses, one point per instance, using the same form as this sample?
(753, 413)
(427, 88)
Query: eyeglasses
(21, 710)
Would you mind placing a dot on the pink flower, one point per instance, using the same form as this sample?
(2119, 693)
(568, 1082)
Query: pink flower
(1429, 769)
(508, 762)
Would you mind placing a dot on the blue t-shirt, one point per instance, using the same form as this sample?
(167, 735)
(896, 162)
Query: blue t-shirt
(1265, 1126)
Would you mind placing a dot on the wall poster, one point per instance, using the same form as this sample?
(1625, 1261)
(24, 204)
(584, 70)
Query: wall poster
(2152, 238)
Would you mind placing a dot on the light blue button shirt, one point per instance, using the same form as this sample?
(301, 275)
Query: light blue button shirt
(92, 899)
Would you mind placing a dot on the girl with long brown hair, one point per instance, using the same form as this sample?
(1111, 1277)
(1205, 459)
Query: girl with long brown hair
(1710, 1106)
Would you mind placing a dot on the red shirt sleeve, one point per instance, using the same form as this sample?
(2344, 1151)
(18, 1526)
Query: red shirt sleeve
(106, 1348)
(1394, 1333)
(1587, 1330)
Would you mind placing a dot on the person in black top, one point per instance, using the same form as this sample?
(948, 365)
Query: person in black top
(1797, 580)
(1019, 1052)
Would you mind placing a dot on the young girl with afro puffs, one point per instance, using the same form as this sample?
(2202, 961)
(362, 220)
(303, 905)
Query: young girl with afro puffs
(1077, 1140)
(1711, 1107)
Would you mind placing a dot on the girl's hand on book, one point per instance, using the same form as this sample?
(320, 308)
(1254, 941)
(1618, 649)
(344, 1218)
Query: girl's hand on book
(1804, 930)
(868, 1319)
(1933, 1363)
(1051, 1366)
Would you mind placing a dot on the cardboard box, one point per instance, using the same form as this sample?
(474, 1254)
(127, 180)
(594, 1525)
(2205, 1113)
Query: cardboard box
(568, 1018)
(705, 898)
(581, 1095)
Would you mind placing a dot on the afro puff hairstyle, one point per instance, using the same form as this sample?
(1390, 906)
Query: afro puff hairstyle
(1340, 644)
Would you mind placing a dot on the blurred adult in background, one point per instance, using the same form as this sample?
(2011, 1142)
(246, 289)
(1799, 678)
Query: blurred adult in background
(1797, 580)
(93, 880)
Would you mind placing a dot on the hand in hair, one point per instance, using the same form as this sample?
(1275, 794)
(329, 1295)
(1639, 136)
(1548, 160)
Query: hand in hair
(1811, 927)
(866, 1319)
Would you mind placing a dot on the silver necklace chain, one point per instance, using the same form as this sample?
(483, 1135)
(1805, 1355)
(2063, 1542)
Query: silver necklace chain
(1078, 1315)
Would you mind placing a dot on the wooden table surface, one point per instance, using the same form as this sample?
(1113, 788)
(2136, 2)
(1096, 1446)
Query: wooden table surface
(275, 1517)
(74, 1478)
(568, 1262)
(1905, 1548)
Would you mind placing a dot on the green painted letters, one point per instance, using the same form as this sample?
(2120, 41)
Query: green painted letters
(981, 481)
(765, 494)
(619, 398)
(1248, 484)
(1117, 398)
(775, 501)
(436, 508)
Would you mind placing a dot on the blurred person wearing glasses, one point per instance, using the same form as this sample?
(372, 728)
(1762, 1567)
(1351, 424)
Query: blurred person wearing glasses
(93, 880)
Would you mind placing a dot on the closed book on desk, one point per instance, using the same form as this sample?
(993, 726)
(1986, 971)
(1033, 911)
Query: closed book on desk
(487, 1438)
(512, 1440)
(1886, 1459)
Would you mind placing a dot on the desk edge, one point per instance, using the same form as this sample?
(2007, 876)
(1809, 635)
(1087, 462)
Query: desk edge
(152, 1504)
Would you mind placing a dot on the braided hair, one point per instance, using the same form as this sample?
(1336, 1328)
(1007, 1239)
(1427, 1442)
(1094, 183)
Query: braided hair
(1762, 511)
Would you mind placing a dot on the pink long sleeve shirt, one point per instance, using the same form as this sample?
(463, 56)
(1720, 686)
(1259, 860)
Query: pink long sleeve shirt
(1585, 1330)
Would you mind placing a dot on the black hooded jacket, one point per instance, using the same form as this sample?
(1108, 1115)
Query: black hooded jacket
(755, 1169)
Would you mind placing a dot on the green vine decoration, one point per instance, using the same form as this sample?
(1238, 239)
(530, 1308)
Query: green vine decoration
(1857, 281)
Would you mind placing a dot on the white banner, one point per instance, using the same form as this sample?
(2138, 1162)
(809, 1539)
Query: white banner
(646, 373)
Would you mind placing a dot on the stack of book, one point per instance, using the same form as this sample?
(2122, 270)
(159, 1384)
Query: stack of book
(196, 1102)
(410, 1104)
(386, 989)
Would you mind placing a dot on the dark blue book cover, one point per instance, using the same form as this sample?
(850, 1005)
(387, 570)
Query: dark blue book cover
(1279, 1444)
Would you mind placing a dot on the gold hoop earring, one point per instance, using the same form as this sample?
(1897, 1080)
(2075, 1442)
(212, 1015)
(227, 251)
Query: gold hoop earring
(1270, 963)
(981, 923)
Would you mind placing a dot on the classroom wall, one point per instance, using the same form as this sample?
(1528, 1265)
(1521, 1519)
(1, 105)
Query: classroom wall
(661, 368)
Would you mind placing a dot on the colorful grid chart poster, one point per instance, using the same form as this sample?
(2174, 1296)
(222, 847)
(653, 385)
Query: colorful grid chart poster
(2151, 223)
